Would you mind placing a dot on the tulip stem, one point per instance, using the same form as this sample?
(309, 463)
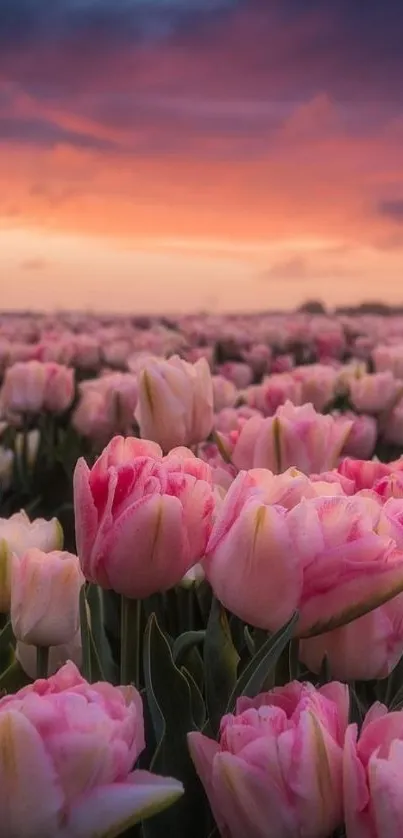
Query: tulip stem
(130, 641)
(42, 661)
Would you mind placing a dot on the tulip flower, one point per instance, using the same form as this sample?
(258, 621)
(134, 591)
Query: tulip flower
(374, 393)
(364, 650)
(142, 520)
(361, 440)
(318, 383)
(276, 771)
(372, 766)
(17, 535)
(32, 386)
(45, 589)
(273, 392)
(294, 436)
(328, 556)
(175, 404)
(67, 751)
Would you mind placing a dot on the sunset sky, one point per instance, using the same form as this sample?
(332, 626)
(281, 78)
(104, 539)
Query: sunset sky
(172, 155)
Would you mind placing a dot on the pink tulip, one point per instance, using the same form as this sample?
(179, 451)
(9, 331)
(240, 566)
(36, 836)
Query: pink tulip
(142, 520)
(323, 556)
(45, 590)
(346, 561)
(338, 480)
(361, 440)
(233, 418)
(32, 386)
(250, 562)
(240, 374)
(390, 486)
(175, 404)
(282, 363)
(366, 649)
(106, 406)
(59, 389)
(273, 392)
(372, 769)
(318, 383)
(288, 489)
(20, 534)
(365, 473)
(87, 352)
(389, 358)
(224, 392)
(276, 771)
(374, 393)
(295, 436)
(17, 535)
(67, 751)
(258, 357)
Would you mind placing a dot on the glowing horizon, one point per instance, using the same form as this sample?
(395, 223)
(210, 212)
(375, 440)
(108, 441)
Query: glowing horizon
(237, 157)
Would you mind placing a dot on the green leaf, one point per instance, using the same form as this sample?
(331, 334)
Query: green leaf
(250, 643)
(198, 707)
(255, 673)
(86, 667)
(169, 698)
(6, 636)
(185, 642)
(100, 643)
(293, 659)
(221, 661)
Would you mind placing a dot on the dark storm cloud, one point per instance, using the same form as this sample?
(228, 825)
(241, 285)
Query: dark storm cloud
(392, 209)
(40, 132)
(25, 21)
(170, 75)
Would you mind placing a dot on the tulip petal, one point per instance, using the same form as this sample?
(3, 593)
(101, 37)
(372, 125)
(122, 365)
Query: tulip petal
(250, 805)
(30, 798)
(85, 512)
(109, 810)
(355, 790)
(150, 530)
(385, 784)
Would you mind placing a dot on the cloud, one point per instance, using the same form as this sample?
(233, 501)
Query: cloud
(300, 268)
(28, 130)
(36, 263)
(259, 48)
(122, 20)
(392, 209)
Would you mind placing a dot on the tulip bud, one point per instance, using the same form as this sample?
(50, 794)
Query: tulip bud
(175, 402)
(45, 589)
(21, 534)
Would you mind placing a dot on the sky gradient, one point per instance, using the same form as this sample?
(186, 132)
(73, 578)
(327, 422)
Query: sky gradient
(186, 154)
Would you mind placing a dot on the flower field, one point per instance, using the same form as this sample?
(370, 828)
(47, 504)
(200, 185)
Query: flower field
(201, 576)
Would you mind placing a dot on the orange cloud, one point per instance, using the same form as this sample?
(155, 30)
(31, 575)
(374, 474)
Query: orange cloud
(243, 123)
